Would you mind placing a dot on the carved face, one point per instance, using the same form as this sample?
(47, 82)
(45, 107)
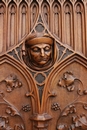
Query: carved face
(40, 53)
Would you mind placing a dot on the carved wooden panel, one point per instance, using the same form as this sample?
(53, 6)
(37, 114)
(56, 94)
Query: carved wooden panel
(18, 95)
(65, 19)
(65, 95)
(43, 65)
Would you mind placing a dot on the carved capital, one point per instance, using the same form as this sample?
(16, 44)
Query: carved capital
(41, 120)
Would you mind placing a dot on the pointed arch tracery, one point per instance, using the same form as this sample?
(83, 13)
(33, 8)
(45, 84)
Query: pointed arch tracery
(68, 24)
(56, 12)
(33, 13)
(2, 26)
(79, 22)
(65, 19)
(46, 13)
(23, 18)
(12, 23)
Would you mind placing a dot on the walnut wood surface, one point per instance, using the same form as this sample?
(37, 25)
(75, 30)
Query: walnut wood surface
(50, 94)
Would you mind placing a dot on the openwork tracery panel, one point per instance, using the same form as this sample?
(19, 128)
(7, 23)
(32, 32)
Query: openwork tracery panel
(65, 19)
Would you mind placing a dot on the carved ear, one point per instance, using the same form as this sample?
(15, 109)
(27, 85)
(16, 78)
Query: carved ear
(23, 49)
(56, 52)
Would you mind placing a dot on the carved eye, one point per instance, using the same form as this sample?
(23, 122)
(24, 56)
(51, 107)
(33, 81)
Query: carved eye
(47, 48)
(35, 49)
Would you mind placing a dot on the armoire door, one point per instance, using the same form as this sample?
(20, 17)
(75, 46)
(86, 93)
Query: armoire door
(43, 65)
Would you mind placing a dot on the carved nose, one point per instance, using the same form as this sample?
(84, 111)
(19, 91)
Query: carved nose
(42, 52)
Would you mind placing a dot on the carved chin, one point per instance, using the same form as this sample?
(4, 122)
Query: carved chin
(41, 63)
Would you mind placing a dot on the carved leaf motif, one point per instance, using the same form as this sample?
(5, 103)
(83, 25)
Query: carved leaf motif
(72, 127)
(67, 81)
(12, 82)
(62, 127)
(70, 88)
(68, 78)
(18, 127)
(85, 106)
(1, 94)
(4, 123)
(80, 121)
(69, 110)
(11, 111)
(8, 128)
(85, 92)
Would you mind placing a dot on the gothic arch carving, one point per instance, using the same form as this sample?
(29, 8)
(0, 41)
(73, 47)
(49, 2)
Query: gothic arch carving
(23, 17)
(46, 13)
(33, 13)
(79, 17)
(2, 27)
(56, 14)
(12, 23)
(71, 41)
(48, 93)
(65, 80)
(18, 83)
(68, 25)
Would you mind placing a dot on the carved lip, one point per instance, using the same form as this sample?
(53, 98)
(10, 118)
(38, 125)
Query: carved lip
(43, 59)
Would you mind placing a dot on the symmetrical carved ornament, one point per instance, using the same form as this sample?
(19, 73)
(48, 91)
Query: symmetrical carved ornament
(42, 76)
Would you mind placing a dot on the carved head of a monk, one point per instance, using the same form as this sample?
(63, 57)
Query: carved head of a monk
(40, 49)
